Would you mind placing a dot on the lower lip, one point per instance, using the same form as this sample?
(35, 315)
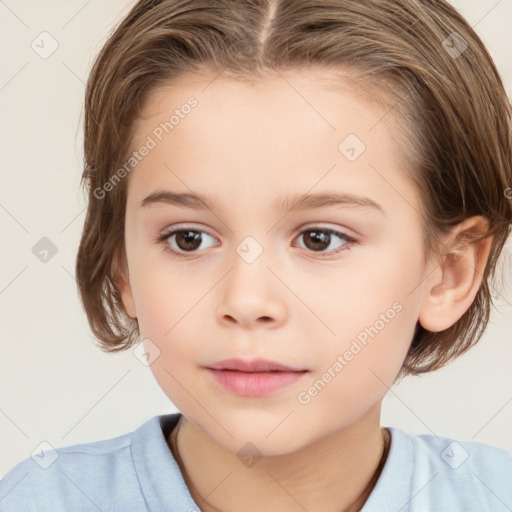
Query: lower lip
(254, 383)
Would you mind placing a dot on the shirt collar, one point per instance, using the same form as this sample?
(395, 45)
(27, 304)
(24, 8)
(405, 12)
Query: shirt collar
(159, 475)
(392, 492)
(164, 488)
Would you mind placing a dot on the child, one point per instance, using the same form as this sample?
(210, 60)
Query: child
(294, 205)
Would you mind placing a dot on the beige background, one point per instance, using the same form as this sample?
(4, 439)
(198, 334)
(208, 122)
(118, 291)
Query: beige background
(55, 385)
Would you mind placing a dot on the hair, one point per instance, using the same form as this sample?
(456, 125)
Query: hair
(453, 122)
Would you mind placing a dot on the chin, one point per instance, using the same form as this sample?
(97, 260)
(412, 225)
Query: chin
(246, 446)
(264, 438)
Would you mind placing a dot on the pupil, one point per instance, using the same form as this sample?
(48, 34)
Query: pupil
(320, 239)
(190, 237)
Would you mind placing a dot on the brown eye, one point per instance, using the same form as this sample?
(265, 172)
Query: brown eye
(188, 240)
(182, 241)
(319, 240)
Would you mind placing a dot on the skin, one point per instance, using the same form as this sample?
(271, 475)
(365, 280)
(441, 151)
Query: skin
(246, 145)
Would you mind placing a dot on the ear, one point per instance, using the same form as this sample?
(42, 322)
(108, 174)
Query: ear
(452, 287)
(122, 282)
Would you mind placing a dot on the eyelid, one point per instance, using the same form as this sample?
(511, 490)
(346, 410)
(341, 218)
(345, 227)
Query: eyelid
(347, 233)
(183, 227)
(311, 225)
(168, 232)
(350, 240)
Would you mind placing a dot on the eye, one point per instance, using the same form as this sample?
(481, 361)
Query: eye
(319, 239)
(190, 240)
(187, 240)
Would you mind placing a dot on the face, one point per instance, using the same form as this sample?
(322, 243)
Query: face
(329, 287)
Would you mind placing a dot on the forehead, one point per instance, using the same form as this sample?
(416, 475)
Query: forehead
(288, 131)
(293, 83)
(298, 104)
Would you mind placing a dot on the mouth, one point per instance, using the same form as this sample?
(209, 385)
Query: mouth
(254, 378)
(254, 365)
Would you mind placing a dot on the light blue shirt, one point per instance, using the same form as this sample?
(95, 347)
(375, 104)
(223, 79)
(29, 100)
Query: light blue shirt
(136, 472)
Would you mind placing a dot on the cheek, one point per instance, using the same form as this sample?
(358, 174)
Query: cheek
(373, 317)
(356, 375)
(161, 296)
(374, 284)
(176, 369)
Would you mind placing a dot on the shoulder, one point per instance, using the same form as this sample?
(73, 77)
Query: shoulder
(458, 474)
(78, 477)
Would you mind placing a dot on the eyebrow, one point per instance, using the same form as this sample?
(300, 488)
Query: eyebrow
(290, 203)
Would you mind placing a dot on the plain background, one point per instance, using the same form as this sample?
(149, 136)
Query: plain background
(56, 386)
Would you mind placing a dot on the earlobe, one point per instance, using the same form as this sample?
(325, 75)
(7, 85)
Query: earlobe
(451, 289)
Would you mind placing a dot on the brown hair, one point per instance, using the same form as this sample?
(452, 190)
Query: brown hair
(454, 121)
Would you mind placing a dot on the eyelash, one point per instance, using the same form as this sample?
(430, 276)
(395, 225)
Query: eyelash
(164, 240)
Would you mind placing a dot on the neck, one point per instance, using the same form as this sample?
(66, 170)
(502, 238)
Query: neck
(334, 474)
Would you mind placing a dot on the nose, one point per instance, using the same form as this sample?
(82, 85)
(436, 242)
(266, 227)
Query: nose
(251, 295)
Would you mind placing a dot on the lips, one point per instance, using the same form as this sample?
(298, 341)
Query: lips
(254, 365)
(255, 378)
